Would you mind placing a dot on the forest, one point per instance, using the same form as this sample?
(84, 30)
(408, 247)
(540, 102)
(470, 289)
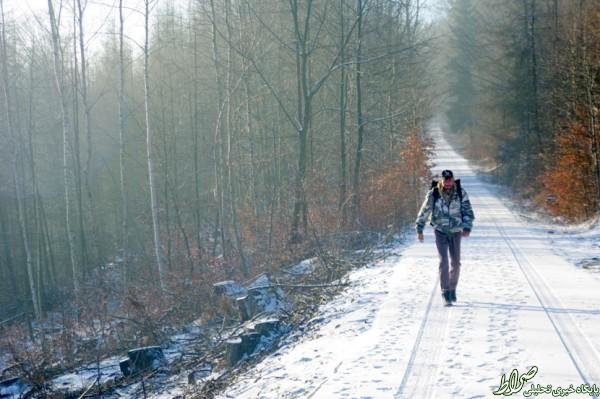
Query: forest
(240, 135)
(228, 143)
(523, 94)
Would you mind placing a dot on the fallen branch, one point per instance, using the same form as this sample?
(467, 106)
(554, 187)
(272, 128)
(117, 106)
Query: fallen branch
(88, 389)
(298, 286)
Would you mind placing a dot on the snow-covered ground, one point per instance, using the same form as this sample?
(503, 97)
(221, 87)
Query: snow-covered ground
(580, 244)
(521, 303)
(108, 370)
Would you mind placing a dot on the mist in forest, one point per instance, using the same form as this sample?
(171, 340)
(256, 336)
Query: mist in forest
(151, 148)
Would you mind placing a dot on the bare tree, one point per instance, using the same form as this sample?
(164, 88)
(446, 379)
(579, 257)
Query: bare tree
(87, 107)
(66, 129)
(122, 130)
(343, 206)
(219, 227)
(360, 123)
(149, 153)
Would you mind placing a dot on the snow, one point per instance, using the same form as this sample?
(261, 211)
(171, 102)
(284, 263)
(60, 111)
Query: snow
(522, 302)
(269, 300)
(307, 266)
(528, 296)
(4, 362)
(83, 377)
(13, 387)
(167, 383)
(231, 288)
(580, 245)
(177, 348)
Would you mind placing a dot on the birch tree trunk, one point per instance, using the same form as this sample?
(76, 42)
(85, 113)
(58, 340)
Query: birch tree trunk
(66, 127)
(149, 154)
(38, 206)
(230, 90)
(217, 144)
(77, 153)
(88, 130)
(122, 171)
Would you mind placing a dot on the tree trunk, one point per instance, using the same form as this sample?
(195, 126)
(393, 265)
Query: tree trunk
(88, 129)
(230, 176)
(196, 149)
(217, 144)
(8, 256)
(149, 155)
(166, 175)
(122, 171)
(41, 259)
(343, 98)
(304, 100)
(534, 79)
(76, 152)
(359, 121)
(58, 80)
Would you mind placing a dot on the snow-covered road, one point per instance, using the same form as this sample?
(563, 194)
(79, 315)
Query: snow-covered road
(388, 335)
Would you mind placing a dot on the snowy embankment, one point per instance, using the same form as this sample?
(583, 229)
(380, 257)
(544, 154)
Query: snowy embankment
(521, 303)
(579, 244)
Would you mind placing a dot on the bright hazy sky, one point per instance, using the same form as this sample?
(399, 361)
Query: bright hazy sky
(99, 14)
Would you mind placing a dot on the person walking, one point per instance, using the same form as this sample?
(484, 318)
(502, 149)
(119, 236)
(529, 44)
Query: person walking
(452, 218)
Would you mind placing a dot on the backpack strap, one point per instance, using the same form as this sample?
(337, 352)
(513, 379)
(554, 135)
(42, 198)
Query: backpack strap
(436, 192)
(460, 195)
(458, 189)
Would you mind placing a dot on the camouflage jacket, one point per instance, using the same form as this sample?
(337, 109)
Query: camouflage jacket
(450, 214)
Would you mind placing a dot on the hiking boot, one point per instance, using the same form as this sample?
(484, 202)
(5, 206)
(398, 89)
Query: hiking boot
(453, 296)
(446, 296)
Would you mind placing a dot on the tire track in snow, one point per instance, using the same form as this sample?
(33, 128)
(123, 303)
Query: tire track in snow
(418, 375)
(577, 344)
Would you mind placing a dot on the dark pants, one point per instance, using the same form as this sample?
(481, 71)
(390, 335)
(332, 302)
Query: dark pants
(448, 243)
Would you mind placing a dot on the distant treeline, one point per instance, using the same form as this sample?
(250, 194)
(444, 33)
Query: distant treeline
(523, 85)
